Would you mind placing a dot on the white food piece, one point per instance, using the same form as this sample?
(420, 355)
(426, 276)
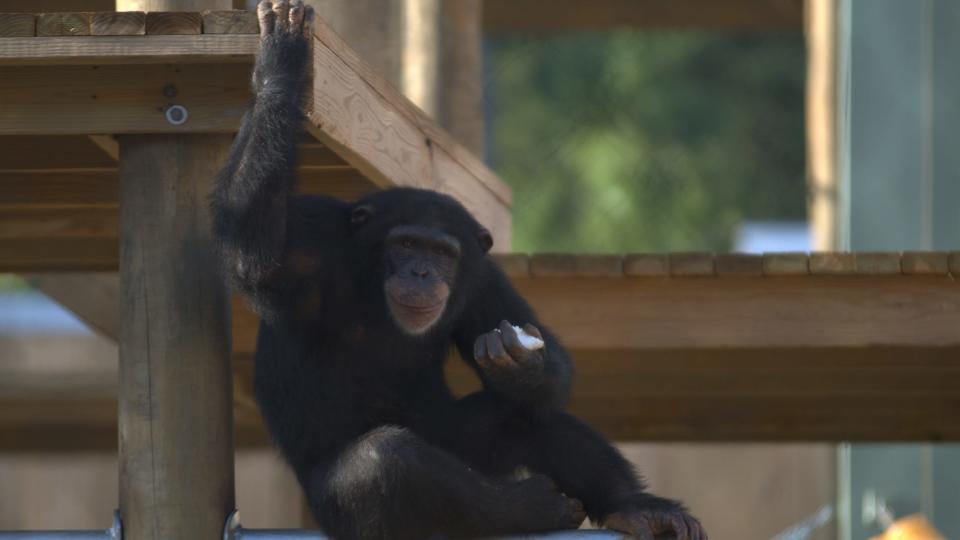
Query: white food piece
(531, 343)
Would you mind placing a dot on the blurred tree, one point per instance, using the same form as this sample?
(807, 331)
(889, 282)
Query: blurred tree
(653, 141)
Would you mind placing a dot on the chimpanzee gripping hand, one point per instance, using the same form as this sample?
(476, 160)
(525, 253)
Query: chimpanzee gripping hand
(530, 374)
(281, 70)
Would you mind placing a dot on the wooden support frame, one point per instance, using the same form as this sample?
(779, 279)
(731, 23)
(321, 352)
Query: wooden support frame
(124, 84)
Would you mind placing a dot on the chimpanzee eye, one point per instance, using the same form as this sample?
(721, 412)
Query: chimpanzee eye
(407, 243)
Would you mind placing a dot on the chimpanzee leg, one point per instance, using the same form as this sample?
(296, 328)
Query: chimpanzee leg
(390, 484)
(490, 436)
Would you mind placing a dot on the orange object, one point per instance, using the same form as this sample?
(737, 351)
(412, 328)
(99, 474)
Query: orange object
(915, 527)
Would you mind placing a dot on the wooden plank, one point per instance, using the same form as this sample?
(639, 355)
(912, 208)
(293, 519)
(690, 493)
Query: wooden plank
(821, 311)
(173, 23)
(61, 153)
(363, 128)
(129, 50)
(93, 297)
(57, 190)
(785, 264)
(332, 46)
(692, 264)
(691, 395)
(926, 262)
(955, 263)
(566, 265)
(60, 223)
(663, 314)
(833, 263)
(453, 179)
(230, 22)
(878, 263)
(119, 23)
(646, 265)
(69, 254)
(18, 24)
(739, 265)
(121, 99)
(526, 16)
(514, 264)
(64, 24)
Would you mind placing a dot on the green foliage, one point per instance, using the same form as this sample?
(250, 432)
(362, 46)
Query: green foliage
(647, 141)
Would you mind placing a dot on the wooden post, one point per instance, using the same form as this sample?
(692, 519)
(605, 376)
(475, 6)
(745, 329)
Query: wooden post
(176, 393)
(822, 145)
(175, 397)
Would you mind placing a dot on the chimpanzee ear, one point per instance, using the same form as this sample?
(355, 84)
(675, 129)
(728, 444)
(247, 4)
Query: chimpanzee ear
(485, 240)
(360, 215)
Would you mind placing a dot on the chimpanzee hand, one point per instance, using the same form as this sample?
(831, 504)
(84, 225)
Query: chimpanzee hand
(657, 523)
(285, 30)
(511, 367)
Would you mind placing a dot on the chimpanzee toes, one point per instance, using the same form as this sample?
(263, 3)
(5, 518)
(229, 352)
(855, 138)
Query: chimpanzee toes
(296, 15)
(281, 11)
(267, 17)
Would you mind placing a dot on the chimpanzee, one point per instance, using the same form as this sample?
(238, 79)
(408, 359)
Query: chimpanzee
(360, 304)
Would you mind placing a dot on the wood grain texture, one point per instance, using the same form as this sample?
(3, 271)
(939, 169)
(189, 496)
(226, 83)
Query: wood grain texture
(129, 50)
(452, 178)
(739, 265)
(121, 99)
(18, 24)
(567, 265)
(785, 264)
(833, 263)
(329, 40)
(646, 265)
(230, 22)
(64, 24)
(175, 394)
(93, 297)
(514, 264)
(173, 23)
(926, 262)
(878, 263)
(119, 23)
(690, 395)
(571, 15)
(692, 264)
(955, 263)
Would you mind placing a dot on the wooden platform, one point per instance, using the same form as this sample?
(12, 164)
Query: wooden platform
(59, 83)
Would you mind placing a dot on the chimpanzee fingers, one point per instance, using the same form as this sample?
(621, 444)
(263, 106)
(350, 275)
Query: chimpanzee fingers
(696, 529)
(533, 331)
(281, 10)
(480, 349)
(296, 15)
(308, 17)
(496, 352)
(511, 342)
(267, 17)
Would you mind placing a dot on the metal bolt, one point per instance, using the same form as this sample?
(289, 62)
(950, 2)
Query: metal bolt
(177, 115)
(170, 91)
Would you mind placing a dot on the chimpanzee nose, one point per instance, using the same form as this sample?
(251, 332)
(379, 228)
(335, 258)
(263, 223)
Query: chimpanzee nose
(420, 272)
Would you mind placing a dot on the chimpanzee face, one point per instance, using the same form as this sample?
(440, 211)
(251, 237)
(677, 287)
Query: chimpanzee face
(421, 269)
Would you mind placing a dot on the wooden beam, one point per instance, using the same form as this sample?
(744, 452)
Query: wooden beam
(122, 98)
(537, 16)
(173, 23)
(230, 22)
(886, 394)
(156, 49)
(93, 297)
(387, 138)
(17, 24)
(119, 23)
(64, 24)
(175, 395)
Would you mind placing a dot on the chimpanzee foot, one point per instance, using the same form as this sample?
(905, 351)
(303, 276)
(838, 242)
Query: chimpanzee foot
(284, 16)
(537, 500)
(656, 524)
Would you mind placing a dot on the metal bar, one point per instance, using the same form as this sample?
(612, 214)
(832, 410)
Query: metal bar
(56, 535)
(115, 532)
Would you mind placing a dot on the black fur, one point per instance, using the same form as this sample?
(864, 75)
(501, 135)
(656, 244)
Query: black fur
(359, 408)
